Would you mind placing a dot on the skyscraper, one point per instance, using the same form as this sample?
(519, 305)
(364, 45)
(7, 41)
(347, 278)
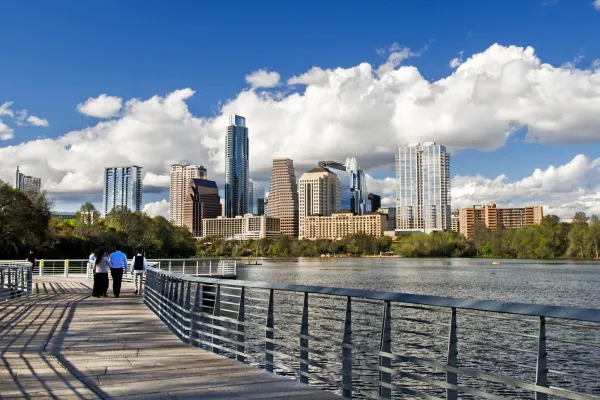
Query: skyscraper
(283, 196)
(236, 167)
(373, 202)
(202, 201)
(423, 188)
(123, 188)
(26, 183)
(256, 198)
(181, 176)
(319, 195)
(353, 184)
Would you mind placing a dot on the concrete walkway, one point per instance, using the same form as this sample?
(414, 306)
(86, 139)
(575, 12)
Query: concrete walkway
(61, 343)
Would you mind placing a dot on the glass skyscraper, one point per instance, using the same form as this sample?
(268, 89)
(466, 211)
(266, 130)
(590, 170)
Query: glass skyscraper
(123, 188)
(236, 167)
(353, 184)
(256, 198)
(423, 188)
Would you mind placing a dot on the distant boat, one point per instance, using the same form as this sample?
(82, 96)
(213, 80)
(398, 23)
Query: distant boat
(495, 262)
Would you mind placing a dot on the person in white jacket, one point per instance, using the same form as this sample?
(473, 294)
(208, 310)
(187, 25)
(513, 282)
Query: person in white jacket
(138, 268)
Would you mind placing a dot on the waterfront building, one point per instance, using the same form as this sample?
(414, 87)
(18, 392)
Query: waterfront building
(344, 223)
(319, 195)
(256, 198)
(455, 217)
(26, 183)
(283, 196)
(390, 215)
(236, 167)
(491, 217)
(373, 202)
(353, 184)
(242, 227)
(181, 176)
(202, 201)
(422, 188)
(122, 188)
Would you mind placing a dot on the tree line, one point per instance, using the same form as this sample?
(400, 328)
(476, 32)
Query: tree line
(27, 224)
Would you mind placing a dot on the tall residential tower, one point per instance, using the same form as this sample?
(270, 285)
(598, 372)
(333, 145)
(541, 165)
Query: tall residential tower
(181, 176)
(236, 167)
(423, 188)
(26, 183)
(202, 201)
(319, 195)
(123, 188)
(283, 196)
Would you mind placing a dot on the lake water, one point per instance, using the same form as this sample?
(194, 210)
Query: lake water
(562, 283)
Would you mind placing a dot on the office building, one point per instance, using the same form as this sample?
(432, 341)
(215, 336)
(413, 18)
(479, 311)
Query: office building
(123, 189)
(353, 184)
(236, 167)
(181, 176)
(242, 227)
(283, 196)
(202, 201)
(319, 195)
(373, 202)
(256, 198)
(390, 216)
(491, 217)
(222, 207)
(455, 218)
(344, 223)
(422, 188)
(26, 183)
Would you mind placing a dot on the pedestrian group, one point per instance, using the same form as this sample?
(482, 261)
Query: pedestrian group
(116, 263)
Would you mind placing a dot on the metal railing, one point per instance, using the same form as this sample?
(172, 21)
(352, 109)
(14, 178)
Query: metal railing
(383, 345)
(15, 280)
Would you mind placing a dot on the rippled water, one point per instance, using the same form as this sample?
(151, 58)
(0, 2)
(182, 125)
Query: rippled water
(504, 347)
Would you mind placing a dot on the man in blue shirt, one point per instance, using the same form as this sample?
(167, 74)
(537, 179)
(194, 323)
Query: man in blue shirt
(118, 261)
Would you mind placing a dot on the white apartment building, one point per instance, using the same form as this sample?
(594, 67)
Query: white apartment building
(344, 223)
(241, 227)
(181, 176)
(319, 195)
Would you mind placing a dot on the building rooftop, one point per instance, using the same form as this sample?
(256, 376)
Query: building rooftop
(204, 182)
(343, 211)
(318, 169)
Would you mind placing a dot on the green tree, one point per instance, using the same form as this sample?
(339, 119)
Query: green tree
(578, 234)
(594, 235)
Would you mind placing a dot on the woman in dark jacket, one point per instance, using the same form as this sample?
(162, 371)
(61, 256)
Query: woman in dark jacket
(101, 269)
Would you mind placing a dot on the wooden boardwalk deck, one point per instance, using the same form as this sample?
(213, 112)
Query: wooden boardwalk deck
(61, 343)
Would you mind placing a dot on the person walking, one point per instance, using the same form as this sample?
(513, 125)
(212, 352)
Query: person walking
(92, 263)
(31, 258)
(138, 268)
(118, 261)
(101, 267)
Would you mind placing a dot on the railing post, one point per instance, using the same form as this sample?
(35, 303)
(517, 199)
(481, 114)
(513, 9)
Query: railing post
(304, 342)
(169, 265)
(193, 317)
(183, 271)
(269, 335)
(41, 268)
(197, 265)
(541, 376)
(240, 327)
(209, 267)
(216, 322)
(10, 283)
(66, 268)
(385, 345)
(451, 377)
(347, 352)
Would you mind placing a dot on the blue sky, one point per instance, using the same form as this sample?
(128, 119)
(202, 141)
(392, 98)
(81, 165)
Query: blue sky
(56, 55)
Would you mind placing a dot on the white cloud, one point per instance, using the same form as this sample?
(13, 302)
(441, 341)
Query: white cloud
(363, 111)
(6, 132)
(157, 208)
(21, 115)
(5, 109)
(103, 106)
(35, 121)
(596, 4)
(151, 179)
(263, 79)
(456, 61)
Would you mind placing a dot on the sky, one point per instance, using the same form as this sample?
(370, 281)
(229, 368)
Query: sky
(511, 88)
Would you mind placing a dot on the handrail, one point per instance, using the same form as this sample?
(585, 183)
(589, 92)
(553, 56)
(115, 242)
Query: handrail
(15, 280)
(375, 344)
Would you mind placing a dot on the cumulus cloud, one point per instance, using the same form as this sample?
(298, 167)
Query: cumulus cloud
(6, 132)
(263, 79)
(456, 61)
(35, 121)
(103, 106)
(154, 180)
(157, 208)
(596, 4)
(5, 109)
(363, 111)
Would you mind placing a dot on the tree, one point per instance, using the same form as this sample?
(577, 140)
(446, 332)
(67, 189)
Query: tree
(87, 215)
(578, 234)
(594, 234)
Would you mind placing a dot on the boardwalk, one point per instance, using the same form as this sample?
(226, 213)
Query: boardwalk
(61, 343)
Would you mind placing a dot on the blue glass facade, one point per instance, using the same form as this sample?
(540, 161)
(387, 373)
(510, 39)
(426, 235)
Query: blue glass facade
(236, 167)
(256, 198)
(123, 188)
(353, 185)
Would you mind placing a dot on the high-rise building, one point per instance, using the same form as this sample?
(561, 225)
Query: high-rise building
(353, 184)
(491, 217)
(344, 223)
(202, 201)
(236, 167)
(373, 202)
(242, 227)
(423, 188)
(390, 214)
(123, 188)
(283, 196)
(26, 183)
(319, 195)
(181, 176)
(455, 217)
(256, 198)
(222, 207)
